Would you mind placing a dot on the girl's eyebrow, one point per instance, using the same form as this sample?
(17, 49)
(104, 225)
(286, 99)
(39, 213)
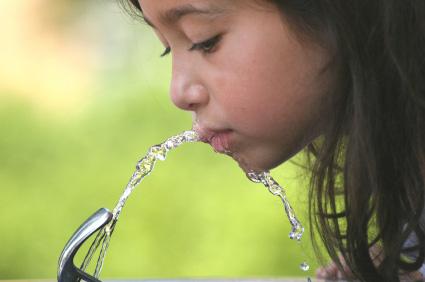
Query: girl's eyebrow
(174, 15)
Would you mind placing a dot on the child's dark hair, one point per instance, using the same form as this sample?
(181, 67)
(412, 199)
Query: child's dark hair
(369, 166)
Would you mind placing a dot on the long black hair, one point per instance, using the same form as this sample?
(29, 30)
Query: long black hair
(368, 168)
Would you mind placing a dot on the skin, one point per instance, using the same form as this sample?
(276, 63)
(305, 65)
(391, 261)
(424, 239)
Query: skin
(260, 89)
(260, 84)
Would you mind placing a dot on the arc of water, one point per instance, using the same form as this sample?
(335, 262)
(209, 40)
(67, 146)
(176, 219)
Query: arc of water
(277, 190)
(143, 168)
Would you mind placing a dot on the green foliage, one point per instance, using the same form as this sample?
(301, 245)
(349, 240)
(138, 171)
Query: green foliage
(196, 215)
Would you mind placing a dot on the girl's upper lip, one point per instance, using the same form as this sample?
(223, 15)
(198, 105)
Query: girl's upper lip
(206, 134)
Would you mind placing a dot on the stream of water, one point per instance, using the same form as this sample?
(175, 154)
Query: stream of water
(297, 230)
(145, 166)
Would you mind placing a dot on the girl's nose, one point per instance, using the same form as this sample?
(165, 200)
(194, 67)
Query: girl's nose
(190, 98)
(187, 92)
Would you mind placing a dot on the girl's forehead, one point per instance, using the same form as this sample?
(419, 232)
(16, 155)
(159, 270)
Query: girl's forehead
(172, 4)
(170, 11)
(164, 5)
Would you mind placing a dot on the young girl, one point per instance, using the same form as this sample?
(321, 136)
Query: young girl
(343, 79)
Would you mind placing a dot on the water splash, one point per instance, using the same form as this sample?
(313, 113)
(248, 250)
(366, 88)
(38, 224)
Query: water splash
(143, 168)
(274, 188)
(304, 266)
(277, 190)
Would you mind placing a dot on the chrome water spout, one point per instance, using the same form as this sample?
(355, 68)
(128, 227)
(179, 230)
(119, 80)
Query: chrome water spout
(67, 271)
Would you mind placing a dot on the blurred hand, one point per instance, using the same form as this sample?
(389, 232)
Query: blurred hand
(332, 272)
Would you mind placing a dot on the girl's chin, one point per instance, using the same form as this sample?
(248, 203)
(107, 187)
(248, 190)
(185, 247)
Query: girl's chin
(257, 162)
(248, 165)
(256, 157)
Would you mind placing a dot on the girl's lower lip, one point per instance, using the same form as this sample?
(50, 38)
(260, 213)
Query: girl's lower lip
(220, 142)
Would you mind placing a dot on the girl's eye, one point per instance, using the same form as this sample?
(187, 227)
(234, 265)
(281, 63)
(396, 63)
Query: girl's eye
(166, 52)
(206, 46)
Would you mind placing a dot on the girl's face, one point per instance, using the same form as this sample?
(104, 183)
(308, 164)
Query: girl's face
(256, 92)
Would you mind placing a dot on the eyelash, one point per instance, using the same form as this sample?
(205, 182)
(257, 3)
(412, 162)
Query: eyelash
(206, 46)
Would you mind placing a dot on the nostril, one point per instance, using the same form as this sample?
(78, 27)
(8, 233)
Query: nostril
(189, 96)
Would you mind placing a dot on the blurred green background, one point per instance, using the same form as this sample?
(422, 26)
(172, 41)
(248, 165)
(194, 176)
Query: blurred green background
(83, 95)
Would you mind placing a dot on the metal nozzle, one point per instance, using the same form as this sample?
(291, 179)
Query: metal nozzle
(67, 271)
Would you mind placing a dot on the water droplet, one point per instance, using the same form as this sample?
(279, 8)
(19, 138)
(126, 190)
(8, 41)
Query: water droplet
(276, 189)
(255, 177)
(135, 179)
(296, 232)
(159, 152)
(145, 166)
(191, 136)
(178, 140)
(169, 144)
(304, 266)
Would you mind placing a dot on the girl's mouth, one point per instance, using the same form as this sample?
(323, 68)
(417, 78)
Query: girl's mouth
(222, 142)
(218, 139)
